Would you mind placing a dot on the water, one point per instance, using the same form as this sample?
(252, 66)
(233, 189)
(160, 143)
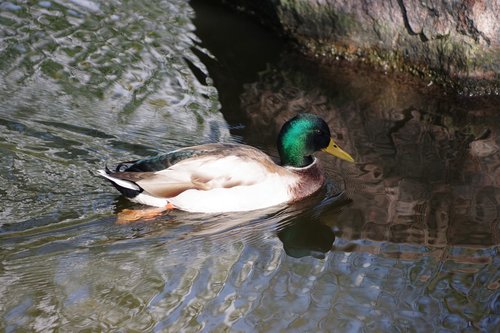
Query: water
(411, 245)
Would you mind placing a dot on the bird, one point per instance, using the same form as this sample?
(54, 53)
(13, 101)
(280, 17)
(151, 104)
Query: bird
(231, 177)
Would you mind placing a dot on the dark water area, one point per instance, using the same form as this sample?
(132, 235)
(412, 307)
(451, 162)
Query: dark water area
(405, 240)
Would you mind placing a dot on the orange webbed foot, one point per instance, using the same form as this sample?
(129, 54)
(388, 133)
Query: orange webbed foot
(134, 215)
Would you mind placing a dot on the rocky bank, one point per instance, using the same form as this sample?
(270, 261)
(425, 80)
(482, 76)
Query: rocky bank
(455, 44)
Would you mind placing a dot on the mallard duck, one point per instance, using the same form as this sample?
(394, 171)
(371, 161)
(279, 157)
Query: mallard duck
(228, 177)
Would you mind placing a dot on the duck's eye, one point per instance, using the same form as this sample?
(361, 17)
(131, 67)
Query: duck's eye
(318, 132)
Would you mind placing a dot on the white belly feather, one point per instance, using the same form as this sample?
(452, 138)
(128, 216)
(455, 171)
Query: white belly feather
(257, 188)
(270, 192)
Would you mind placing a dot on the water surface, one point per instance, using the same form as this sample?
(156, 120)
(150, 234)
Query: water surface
(406, 239)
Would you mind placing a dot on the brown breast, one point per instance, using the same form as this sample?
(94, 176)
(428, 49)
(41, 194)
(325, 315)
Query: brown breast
(311, 179)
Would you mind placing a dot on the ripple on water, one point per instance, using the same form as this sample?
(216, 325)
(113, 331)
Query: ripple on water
(83, 82)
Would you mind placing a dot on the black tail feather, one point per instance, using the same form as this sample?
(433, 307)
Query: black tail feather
(127, 192)
(106, 169)
(123, 166)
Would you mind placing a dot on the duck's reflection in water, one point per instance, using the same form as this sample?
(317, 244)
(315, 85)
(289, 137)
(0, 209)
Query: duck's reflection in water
(306, 237)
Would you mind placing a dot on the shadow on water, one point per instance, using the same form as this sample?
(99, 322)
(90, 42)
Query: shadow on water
(406, 239)
(427, 165)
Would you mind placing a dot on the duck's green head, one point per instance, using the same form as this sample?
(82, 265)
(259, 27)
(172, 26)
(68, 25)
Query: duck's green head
(303, 135)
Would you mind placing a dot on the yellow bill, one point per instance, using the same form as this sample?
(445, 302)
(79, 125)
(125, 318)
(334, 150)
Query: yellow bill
(335, 150)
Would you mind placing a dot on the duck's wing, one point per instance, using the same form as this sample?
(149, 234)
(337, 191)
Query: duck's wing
(164, 161)
(202, 168)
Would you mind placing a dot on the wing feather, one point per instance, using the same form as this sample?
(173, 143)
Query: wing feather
(200, 173)
(202, 168)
